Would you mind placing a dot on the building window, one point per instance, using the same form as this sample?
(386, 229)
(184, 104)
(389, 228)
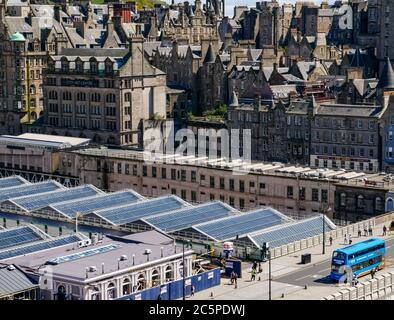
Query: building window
(163, 173)
(360, 202)
(241, 203)
(193, 176)
(324, 196)
(144, 171)
(154, 172)
(342, 200)
(183, 175)
(194, 196)
(231, 201)
(173, 174)
(221, 183)
(378, 204)
(231, 184)
(212, 182)
(315, 195)
(290, 192)
(302, 193)
(183, 194)
(241, 186)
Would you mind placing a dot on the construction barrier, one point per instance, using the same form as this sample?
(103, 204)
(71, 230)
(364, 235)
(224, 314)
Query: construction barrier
(174, 290)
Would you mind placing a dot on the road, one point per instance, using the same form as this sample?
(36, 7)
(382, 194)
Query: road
(318, 274)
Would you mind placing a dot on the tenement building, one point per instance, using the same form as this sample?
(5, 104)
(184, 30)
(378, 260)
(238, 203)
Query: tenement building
(102, 94)
(347, 137)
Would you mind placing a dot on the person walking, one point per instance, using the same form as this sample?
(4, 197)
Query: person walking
(330, 239)
(345, 239)
(254, 265)
(260, 268)
(235, 280)
(192, 291)
(365, 231)
(232, 276)
(359, 233)
(384, 230)
(253, 278)
(370, 230)
(373, 273)
(350, 239)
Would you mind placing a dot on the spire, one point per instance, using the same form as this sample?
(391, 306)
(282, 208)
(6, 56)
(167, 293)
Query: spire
(210, 56)
(234, 100)
(386, 80)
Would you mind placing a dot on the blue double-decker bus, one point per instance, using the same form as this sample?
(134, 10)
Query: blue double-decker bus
(362, 257)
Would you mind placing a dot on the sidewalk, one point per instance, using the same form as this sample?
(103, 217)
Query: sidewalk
(287, 265)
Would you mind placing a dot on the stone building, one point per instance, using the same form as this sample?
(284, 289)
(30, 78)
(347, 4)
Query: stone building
(24, 45)
(346, 136)
(280, 130)
(385, 96)
(102, 94)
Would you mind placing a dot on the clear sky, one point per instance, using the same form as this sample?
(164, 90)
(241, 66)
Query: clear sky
(231, 3)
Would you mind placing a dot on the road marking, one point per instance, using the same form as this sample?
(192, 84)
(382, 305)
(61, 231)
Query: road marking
(320, 271)
(303, 277)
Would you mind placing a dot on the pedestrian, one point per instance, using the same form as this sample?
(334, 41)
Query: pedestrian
(359, 232)
(372, 273)
(350, 239)
(260, 268)
(232, 277)
(192, 291)
(370, 230)
(253, 278)
(365, 231)
(254, 265)
(159, 297)
(345, 239)
(236, 280)
(330, 239)
(384, 230)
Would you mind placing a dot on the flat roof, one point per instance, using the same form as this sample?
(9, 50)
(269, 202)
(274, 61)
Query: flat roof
(74, 260)
(45, 140)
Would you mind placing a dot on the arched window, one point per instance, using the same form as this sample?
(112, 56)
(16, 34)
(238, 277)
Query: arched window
(33, 116)
(96, 97)
(67, 95)
(141, 282)
(111, 291)
(168, 274)
(155, 278)
(81, 96)
(127, 97)
(110, 98)
(61, 292)
(343, 200)
(95, 295)
(126, 287)
(360, 201)
(390, 205)
(53, 95)
(32, 89)
(378, 204)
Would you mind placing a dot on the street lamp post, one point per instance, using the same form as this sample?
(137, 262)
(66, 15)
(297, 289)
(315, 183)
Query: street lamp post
(77, 215)
(183, 268)
(269, 273)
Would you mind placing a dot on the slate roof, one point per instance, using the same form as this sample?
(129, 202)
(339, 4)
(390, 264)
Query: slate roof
(359, 111)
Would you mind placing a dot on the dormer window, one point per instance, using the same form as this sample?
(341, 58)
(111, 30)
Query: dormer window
(93, 65)
(79, 66)
(109, 67)
(64, 64)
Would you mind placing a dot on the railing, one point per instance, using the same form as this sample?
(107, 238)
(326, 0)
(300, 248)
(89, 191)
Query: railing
(335, 234)
(378, 288)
